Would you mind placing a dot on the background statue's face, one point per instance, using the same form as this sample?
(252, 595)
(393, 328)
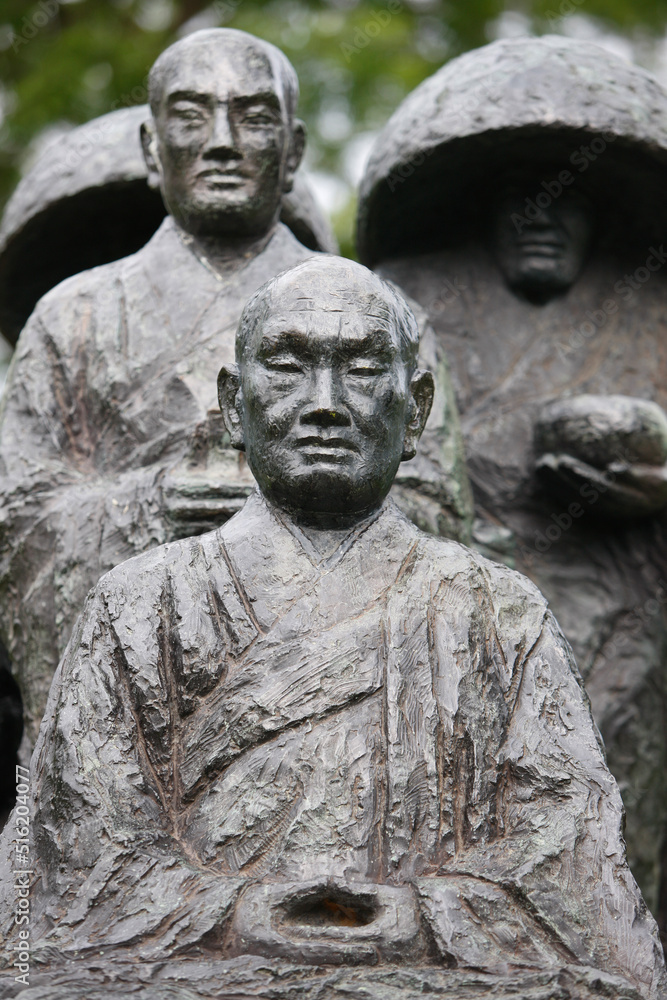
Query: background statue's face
(542, 256)
(222, 140)
(326, 400)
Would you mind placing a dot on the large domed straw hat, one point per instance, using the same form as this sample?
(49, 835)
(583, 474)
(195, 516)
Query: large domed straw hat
(86, 202)
(552, 103)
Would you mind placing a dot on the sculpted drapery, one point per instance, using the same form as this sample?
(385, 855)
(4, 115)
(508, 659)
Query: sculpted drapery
(515, 195)
(222, 721)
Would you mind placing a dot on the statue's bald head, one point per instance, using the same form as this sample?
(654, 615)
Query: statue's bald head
(331, 284)
(217, 46)
(326, 399)
(223, 143)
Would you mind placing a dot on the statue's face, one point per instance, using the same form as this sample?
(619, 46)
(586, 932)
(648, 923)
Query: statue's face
(541, 256)
(222, 146)
(327, 397)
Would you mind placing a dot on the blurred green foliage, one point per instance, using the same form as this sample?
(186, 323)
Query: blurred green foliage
(66, 62)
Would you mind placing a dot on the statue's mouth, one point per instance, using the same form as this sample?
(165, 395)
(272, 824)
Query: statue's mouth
(333, 449)
(221, 178)
(542, 248)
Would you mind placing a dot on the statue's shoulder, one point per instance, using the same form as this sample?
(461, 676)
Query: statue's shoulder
(144, 578)
(506, 588)
(489, 601)
(284, 250)
(56, 314)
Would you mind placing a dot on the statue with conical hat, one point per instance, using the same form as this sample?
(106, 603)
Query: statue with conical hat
(317, 752)
(111, 438)
(519, 196)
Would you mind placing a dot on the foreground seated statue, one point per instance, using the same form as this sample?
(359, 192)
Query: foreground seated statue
(317, 737)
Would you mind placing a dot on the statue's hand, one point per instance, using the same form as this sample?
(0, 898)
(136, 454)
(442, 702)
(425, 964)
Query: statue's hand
(608, 450)
(209, 484)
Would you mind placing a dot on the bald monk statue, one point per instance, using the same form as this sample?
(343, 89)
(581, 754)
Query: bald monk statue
(109, 416)
(316, 751)
(111, 439)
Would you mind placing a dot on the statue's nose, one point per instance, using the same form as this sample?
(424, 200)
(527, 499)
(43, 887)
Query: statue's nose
(222, 138)
(543, 220)
(326, 406)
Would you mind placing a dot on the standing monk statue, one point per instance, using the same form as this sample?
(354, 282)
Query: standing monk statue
(519, 196)
(86, 202)
(111, 438)
(317, 737)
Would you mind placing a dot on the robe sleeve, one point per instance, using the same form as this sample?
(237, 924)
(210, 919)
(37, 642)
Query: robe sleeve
(106, 820)
(548, 881)
(71, 505)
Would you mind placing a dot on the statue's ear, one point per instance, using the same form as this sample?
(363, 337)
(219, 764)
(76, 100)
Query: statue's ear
(231, 403)
(151, 155)
(422, 388)
(294, 154)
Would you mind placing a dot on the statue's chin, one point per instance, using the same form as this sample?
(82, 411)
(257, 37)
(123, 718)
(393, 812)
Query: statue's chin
(539, 285)
(227, 213)
(325, 492)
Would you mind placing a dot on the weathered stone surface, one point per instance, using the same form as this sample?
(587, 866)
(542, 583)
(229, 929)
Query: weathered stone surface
(86, 202)
(253, 979)
(317, 737)
(559, 367)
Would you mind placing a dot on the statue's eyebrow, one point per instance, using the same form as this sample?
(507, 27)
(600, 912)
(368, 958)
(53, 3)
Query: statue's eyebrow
(294, 340)
(281, 341)
(263, 97)
(370, 343)
(188, 95)
(267, 97)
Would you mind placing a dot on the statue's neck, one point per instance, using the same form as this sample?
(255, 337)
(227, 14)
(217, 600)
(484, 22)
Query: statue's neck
(326, 532)
(225, 255)
(325, 541)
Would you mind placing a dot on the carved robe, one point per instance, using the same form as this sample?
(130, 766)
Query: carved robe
(235, 715)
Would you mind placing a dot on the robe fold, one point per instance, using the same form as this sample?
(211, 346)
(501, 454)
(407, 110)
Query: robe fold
(234, 711)
(111, 400)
